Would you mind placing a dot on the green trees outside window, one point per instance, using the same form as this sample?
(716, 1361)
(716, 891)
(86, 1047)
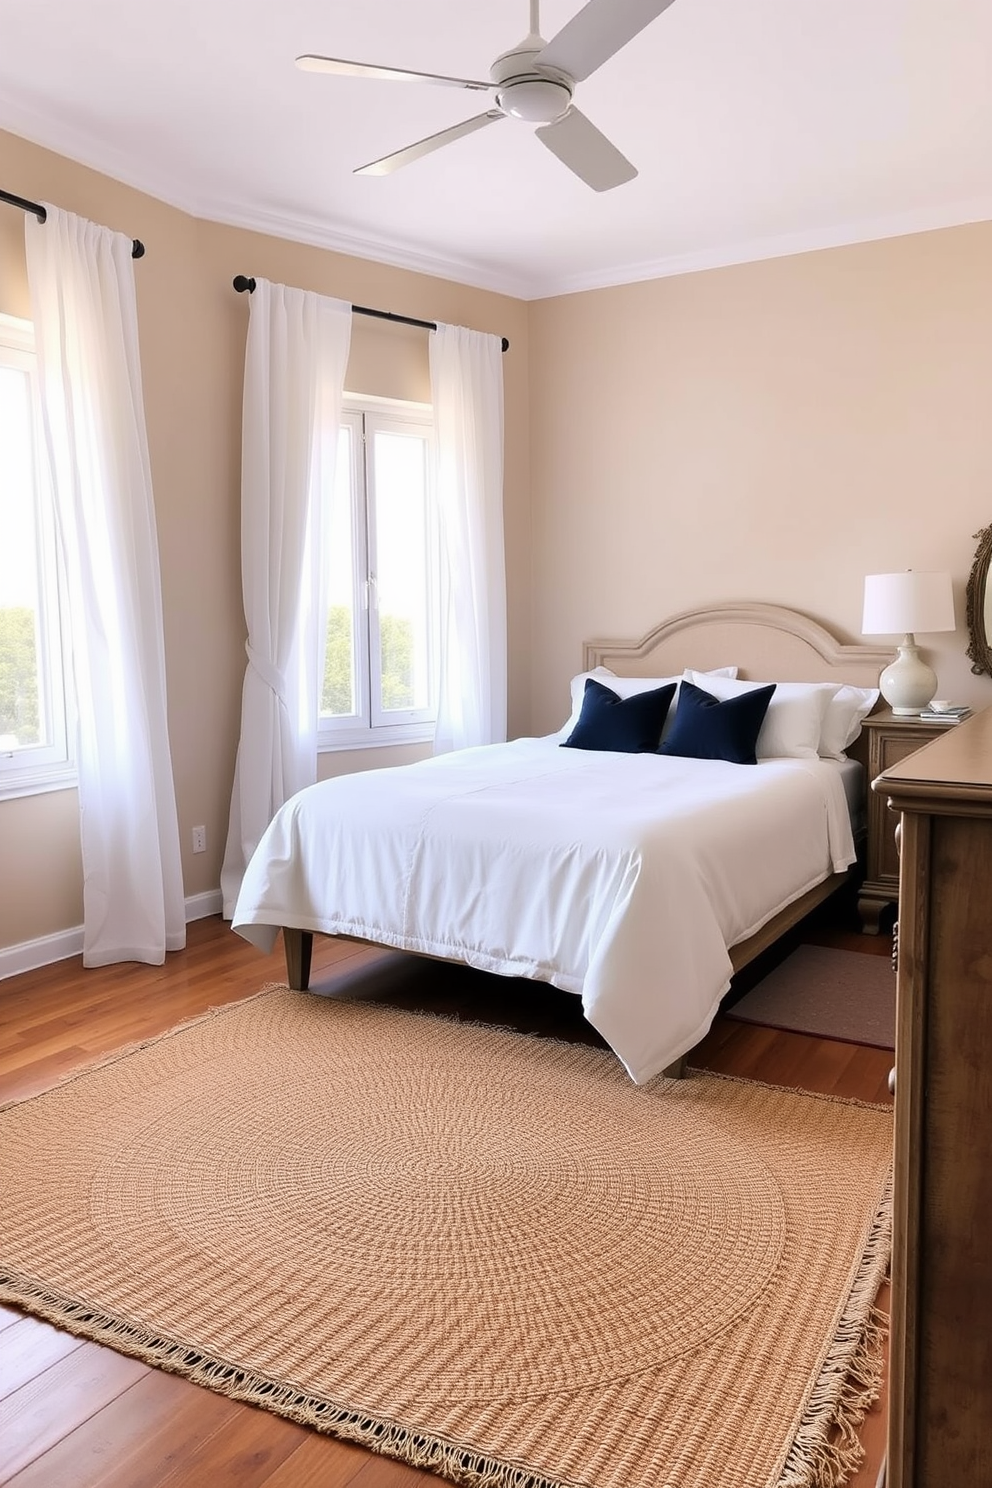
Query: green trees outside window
(396, 663)
(19, 703)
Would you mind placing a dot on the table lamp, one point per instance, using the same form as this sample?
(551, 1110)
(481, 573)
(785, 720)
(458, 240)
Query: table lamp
(904, 604)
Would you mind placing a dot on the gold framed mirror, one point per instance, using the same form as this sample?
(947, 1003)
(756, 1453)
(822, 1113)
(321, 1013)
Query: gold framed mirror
(980, 605)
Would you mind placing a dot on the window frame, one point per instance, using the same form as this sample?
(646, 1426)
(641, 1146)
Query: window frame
(368, 727)
(34, 769)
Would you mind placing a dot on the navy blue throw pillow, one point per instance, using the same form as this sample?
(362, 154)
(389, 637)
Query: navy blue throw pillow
(705, 727)
(626, 725)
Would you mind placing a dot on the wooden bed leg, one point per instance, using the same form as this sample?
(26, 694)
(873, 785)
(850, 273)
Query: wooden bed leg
(675, 1071)
(299, 948)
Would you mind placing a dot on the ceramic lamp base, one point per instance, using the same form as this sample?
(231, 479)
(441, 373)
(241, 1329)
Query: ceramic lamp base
(908, 684)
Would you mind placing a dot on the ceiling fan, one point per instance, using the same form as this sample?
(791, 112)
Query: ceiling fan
(534, 81)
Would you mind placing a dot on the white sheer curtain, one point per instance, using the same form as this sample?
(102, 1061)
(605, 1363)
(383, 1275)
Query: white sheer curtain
(295, 364)
(467, 393)
(81, 280)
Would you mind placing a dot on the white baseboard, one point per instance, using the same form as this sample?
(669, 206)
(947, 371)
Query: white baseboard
(201, 906)
(30, 954)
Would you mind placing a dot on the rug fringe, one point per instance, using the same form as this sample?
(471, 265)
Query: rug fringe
(825, 1450)
(420, 1449)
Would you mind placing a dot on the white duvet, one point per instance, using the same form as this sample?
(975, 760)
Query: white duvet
(620, 877)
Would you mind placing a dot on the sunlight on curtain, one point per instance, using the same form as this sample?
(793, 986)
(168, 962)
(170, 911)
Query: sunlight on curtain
(467, 393)
(81, 281)
(295, 363)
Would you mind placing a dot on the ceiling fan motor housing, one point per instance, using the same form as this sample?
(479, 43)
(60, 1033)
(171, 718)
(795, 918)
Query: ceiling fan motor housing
(525, 92)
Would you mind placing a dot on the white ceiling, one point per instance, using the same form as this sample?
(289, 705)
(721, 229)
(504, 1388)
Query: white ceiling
(759, 127)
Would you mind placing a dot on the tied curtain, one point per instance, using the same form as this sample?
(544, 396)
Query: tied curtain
(295, 360)
(467, 392)
(81, 283)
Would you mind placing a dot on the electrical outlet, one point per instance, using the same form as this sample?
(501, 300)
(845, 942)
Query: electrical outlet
(199, 839)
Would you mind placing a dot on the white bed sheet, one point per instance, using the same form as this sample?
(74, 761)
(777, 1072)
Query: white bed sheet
(621, 878)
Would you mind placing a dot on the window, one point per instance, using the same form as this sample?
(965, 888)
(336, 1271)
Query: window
(34, 738)
(380, 671)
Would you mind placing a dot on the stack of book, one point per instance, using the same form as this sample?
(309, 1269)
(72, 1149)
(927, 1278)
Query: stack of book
(946, 715)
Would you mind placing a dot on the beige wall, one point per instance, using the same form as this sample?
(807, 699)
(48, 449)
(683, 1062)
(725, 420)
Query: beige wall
(772, 431)
(192, 329)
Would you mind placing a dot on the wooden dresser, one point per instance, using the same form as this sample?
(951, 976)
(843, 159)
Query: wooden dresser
(940, 1401)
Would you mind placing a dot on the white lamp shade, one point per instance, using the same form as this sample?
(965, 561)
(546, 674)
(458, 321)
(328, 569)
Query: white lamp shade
(907, 603)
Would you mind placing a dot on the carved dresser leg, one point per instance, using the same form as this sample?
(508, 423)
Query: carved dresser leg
(870, 908)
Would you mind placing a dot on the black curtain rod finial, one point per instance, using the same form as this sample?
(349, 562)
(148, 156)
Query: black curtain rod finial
(243, 283)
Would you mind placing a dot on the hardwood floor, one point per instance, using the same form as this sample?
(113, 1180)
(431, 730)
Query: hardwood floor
(76, 1415)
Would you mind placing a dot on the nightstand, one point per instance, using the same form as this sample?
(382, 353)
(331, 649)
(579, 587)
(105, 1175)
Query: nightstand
(890, 739)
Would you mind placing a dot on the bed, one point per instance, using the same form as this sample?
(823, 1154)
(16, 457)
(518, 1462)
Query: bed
(640, 881)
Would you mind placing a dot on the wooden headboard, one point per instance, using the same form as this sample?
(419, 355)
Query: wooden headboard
(769, 643)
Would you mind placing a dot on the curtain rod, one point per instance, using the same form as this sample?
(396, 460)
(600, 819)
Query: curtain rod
(137, 247)
(243, 283)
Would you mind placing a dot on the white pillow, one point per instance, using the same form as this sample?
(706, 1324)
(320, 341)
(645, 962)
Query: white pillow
(794, 720)
(626, 687)
(844, 716)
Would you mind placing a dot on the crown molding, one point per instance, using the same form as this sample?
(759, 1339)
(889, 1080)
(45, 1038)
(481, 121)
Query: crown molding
(377, 250)
(66, 139)
(868, 230)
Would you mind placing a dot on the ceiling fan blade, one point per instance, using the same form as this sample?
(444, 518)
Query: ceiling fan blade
(579, 145)
(601, 28)
(338, 65)
(389, 163)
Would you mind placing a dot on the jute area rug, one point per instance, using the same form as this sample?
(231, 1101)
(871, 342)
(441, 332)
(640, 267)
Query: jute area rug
(485, 1254)
(829, 993)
